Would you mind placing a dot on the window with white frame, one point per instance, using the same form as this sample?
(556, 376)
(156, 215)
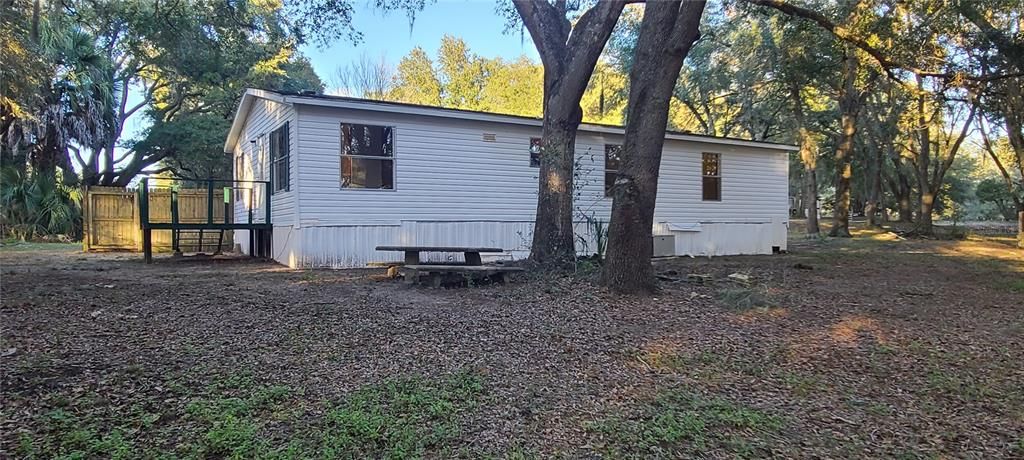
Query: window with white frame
(711, 177)
(239, 176)
(367, 156)
(612, 159)
(280, 155)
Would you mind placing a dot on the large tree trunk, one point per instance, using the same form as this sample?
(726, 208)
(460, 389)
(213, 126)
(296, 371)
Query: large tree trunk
(849, 106)
(569, 53)
(930, 178)
(809, 160)
(1014, 115)
(925, 196)
(553, 237)
(901, 190)
(667, 32)
(874, 204)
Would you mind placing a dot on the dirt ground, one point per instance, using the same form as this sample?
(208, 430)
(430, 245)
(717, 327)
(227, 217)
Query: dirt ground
(871, 347)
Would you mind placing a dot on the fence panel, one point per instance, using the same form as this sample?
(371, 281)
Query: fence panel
(111, 218)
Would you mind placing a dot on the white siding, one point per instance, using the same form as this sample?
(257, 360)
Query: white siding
(454, 188)
(445, 171)
(265, 116)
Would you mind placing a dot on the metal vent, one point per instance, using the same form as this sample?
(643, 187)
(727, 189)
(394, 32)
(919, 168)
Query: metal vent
(490, 137)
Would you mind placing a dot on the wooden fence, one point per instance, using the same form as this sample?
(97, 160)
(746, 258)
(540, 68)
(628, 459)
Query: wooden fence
(111, 219)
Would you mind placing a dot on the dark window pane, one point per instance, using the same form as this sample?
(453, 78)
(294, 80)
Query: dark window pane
(535, 150)
(367, 173)
(279, 151)
(712, 189)
(609, 180)
(612, 156)
(710, 164)
(367, 140)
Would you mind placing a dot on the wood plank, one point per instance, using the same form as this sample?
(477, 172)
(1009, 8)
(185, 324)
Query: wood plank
(437, 249)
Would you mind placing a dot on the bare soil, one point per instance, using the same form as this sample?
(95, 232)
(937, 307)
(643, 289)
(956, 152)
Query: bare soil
(870, 347)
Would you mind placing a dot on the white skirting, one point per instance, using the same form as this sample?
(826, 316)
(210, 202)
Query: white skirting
(353, 246)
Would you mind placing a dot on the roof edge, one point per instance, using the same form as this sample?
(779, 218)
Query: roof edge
(242, 113)
(415, 109)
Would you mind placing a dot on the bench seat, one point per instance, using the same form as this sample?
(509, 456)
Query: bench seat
(412, 272)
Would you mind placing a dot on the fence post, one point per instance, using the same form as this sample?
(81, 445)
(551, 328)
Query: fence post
(85, 219)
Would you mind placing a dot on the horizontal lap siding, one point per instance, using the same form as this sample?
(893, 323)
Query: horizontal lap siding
(444, 171)
(454, 188)
(755, 185)
(265, 116)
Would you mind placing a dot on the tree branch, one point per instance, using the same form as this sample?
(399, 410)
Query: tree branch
(843, 33)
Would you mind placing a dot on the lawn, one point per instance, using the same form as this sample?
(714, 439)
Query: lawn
(871, 347)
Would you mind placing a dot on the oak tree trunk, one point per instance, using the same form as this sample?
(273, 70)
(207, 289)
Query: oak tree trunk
(667, 32)
(569, 53)
(810, 163)
(849, 106)
(553, 238)
(874, 204)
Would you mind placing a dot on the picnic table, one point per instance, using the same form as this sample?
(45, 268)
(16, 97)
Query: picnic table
(413, 267)
(412, 253)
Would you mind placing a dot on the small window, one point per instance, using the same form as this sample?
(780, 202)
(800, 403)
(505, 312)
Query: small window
(239, 176)
(711, 170)
(367, 156)
(279, 158)
(612, 158)
(535, 150)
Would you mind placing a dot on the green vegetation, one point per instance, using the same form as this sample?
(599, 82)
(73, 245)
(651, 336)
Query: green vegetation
(679, 422)
(399, 419)
(742, 298)
(236, 418)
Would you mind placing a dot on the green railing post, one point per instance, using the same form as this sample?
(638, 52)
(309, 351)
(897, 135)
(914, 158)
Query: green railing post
(209, 201)
(147, 233)
(175, 233)
(144, 202)
(267, 203)
(227, 205)
(252, 197)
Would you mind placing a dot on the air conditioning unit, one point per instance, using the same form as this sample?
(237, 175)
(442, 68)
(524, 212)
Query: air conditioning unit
(664, 245)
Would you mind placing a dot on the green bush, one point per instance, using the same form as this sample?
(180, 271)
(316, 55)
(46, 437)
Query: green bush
(36, 205)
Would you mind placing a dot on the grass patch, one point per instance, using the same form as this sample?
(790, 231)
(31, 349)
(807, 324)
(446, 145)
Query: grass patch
(28, 246)
(1016, 285)
(679, 423)
(238, 418)
(743, 298)
(399, 419)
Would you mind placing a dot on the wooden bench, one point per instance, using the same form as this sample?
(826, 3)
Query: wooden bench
(411, 273)
(412, 253)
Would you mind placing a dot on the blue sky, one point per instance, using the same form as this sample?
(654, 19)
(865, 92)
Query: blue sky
(475, 21)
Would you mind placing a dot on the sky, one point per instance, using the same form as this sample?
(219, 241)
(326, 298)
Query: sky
(475, 21)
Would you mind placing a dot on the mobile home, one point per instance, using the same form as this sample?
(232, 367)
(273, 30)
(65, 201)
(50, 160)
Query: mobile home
(350, 174)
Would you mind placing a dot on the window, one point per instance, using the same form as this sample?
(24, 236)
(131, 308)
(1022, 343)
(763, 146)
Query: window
(279, 158)
(367, 156)
(711, 170)
(612, 158)
(239, 175)
(535, 150)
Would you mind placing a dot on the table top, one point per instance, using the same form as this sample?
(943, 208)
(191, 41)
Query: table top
(437, 249)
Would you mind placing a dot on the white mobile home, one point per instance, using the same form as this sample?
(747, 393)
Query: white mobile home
(349, 174)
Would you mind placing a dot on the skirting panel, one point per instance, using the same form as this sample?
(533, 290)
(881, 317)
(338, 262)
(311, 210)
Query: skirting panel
(354, 246)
